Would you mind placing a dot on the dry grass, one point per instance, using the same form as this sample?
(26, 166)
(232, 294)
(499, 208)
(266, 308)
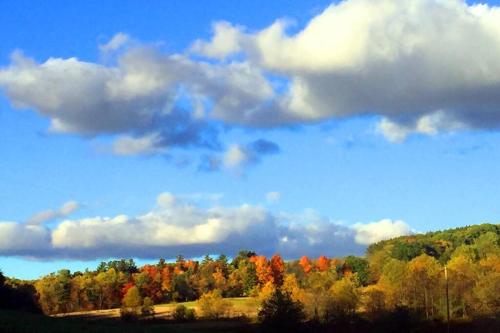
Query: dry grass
(242, 307)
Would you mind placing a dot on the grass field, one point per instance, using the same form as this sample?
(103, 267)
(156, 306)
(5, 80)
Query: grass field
(242, 307)
(109, 321)
(19, 322)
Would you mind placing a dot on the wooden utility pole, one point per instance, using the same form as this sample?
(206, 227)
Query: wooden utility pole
(447, 301)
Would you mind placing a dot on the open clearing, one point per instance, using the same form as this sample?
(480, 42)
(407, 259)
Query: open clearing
(242, 307)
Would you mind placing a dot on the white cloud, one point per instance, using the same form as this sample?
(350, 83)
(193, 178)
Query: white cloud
(145, 145)
(376, 231)
(20, 239)
(172, 226)
(429, 124)
(235, 156)
(423, 66)
(166, 200)
(407, 60)
(48, 215)
(116, 42)
(137, 97)
(175, 226)
(226, 41)
(273, 196)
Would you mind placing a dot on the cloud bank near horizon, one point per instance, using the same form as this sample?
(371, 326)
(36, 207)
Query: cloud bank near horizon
(176, 226)
(423, 67)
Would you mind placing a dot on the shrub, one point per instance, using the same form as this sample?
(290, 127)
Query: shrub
(184, 314)
(190, 315)
(147, 308)
(129, 314)
(280, 313)
(213, 306)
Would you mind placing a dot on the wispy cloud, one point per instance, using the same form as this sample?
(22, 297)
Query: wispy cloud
(49, 215)
(273, 196)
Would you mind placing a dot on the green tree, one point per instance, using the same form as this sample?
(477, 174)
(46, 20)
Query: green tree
(404, 250)
(54, 292)
(359, 266)
(487, 244)
(184, 314)
(280, 313)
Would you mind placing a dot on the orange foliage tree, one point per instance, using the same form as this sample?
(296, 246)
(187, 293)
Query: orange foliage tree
(323, 264)
(305, 262)
(277, 269)
(263, 270)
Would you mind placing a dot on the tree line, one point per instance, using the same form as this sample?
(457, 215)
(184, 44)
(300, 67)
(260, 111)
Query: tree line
(403, 273)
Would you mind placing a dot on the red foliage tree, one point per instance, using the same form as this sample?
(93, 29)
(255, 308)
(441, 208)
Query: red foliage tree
(126, 287)
(166, 279)
(305, 262)
(153, 289)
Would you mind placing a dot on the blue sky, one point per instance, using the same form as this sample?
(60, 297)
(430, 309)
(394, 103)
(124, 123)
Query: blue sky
(380, 147)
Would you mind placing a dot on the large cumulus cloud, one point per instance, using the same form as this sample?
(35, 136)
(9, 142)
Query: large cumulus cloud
(425, 66)
(421, 66)
(176, 226)
(149, 101)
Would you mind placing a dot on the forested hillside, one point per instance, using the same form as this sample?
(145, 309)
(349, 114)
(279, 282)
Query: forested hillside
(403, 273)
(479, 240)
(409, 271)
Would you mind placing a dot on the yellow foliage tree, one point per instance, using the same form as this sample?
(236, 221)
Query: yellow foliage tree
(393, 283)
(486, 291)
(424, 279)
(345, 298)
(266, 291)
(291, 285)
(374, 299)
(462, 278)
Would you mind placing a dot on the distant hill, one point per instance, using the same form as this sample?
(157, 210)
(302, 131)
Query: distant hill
(476, 240)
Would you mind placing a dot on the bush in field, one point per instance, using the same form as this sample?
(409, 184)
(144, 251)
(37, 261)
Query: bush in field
(184, 314)
(147, 309)
(280, 313)
(213, 306)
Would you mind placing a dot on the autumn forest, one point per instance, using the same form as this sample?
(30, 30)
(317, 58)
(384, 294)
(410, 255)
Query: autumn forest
(406, 276)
